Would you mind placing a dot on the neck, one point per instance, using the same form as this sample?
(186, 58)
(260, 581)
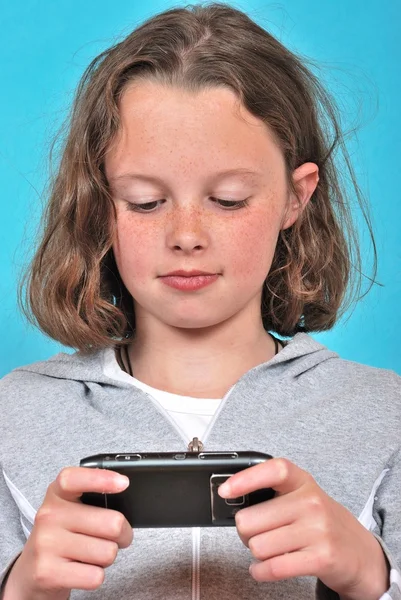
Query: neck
(202, 363)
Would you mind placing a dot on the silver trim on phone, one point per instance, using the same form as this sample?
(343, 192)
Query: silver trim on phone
(213, 455)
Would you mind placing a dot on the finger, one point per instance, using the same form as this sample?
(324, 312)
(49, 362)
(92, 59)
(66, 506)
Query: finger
(74, 575)
(277, 473)
(280, 541)
(72, 482)
(286, 566)
(271, 514)
(85, 549)
(98, 522)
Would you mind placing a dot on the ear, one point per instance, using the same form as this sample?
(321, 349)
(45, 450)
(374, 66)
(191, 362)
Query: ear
(305, 178)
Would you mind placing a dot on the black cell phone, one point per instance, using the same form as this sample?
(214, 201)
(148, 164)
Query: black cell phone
(176, 489)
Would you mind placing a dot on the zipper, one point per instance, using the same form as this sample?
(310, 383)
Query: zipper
(195, 563)
(195, 446)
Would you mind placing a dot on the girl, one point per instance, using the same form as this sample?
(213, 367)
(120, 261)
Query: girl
(196, 212)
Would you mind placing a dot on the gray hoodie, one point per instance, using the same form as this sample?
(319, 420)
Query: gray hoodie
(338, 420)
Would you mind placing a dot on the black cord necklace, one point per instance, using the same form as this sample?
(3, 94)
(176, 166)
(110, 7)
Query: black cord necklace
(128, 361)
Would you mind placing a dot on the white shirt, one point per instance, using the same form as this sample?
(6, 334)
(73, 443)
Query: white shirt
(191, 415)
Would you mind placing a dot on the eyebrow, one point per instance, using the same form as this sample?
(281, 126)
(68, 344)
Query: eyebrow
(218, 175)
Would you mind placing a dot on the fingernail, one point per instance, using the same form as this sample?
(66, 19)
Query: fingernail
(121, 482)
(224, 489)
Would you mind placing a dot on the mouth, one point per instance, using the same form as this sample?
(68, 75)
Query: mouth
(182, 273)
(189, 283)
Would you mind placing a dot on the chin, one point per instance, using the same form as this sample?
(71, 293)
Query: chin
(193, 323)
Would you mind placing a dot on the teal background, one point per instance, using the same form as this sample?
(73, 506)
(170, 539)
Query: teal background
(44, 49)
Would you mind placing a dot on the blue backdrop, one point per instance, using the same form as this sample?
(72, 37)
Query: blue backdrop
(45, 47)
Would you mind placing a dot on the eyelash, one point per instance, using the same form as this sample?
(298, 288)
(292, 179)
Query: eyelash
(137, 207)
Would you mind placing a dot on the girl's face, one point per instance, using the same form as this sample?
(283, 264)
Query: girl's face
(172, 156)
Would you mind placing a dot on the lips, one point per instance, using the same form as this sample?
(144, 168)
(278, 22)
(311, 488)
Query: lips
(182, 273)
(189, 283)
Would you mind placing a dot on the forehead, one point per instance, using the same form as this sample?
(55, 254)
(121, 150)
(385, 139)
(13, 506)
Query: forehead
(169, 128)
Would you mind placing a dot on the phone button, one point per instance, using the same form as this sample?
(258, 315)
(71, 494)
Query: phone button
(124, 457)
(235, 501)
(181, 456)
(216, 455)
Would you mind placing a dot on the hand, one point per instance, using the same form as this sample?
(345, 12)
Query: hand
(71, 543)
(303, 531)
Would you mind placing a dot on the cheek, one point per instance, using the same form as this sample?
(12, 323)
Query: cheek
(133, 251)
(254, 245)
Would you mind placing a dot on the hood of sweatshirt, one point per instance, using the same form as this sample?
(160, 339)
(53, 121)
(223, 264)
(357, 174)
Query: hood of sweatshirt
(301, 354)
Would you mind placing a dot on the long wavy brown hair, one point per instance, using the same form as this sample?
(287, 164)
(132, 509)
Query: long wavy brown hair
(72, 288)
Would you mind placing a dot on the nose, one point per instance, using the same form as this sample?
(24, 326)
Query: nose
(187, 230)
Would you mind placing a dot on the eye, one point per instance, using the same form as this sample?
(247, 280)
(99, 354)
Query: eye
(142, 207)
(235, 204)
(149, 206)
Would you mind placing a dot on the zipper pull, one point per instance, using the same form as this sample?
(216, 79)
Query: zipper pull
(195, 446)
